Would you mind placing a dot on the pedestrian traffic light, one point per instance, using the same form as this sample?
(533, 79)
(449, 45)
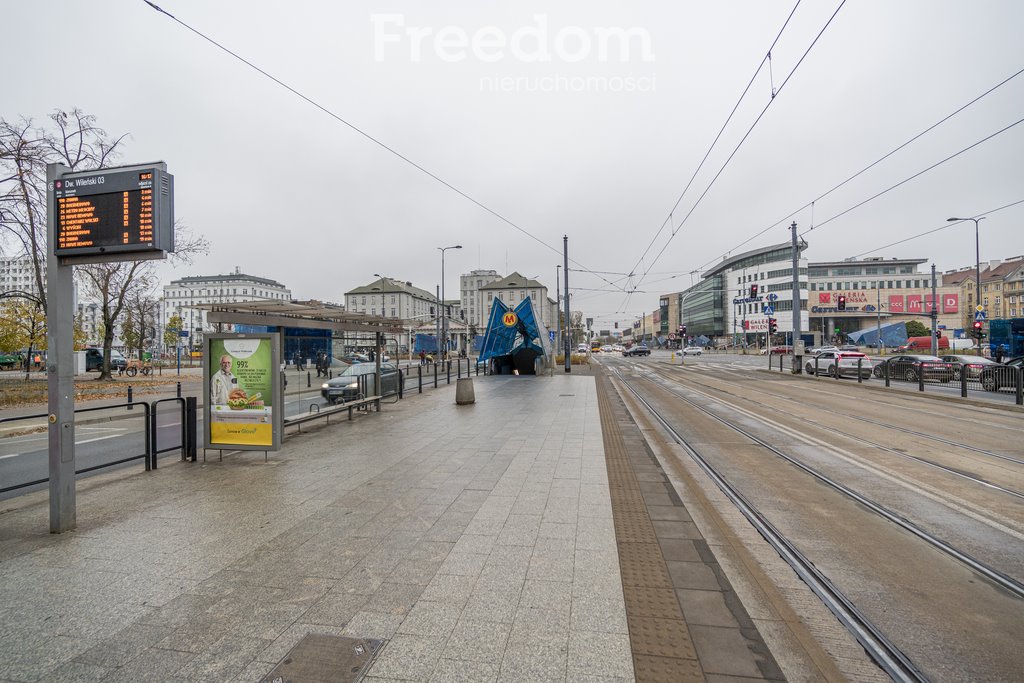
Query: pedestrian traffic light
(841, 302)
(977, 329)
(773, 325)
(753, 291)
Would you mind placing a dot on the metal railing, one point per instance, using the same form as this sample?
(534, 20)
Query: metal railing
(145, 456)
(989, 378)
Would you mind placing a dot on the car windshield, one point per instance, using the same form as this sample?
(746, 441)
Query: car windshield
(366, 369)
(925, 359)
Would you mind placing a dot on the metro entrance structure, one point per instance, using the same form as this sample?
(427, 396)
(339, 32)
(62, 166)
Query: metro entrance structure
(515, 341)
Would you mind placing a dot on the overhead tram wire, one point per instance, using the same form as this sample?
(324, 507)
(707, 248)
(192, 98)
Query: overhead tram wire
(945, 225)
(869, 166)
(744, 139)
(366, 135)
(907, 180)
(753, 77)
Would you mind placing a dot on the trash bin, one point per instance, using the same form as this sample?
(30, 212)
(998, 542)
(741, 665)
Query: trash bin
(464, 394)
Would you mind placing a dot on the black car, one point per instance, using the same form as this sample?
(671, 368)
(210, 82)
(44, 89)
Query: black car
(1002, 375)
(94, 359)
(357, 381)
(911, 366)
(971, 365)
(638, 350)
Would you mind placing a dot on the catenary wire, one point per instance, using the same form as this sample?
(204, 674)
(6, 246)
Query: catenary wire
(944, 226)
(366, 135)
(908, 179)
(866, 168)
(714, 142)
(746, 135)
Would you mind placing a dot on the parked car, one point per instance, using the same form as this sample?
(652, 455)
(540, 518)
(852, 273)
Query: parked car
(971, 365)
(841, 363)
(1001, 375)
(638, 350)
(823, 349)
(923, 344)
(782, 349)
(94, 359)
(911, 366)
(693, 350)
(346, 386)
(582, 348)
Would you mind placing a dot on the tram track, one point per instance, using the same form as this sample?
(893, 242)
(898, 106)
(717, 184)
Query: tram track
(888, 449)
(882, 650)
(885, 425)
(848, 611)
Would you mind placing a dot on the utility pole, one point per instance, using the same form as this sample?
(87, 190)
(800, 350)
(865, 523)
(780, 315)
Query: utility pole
(796, 299)
(558, 308)
(567, 341)
(935, 317)
(437, 296)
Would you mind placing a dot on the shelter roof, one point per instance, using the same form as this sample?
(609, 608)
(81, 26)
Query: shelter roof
(306, 314)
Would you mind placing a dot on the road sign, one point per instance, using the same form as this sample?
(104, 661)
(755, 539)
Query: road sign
(768, 310)
(510, 319)
(551, 335)
(980, 315)
(979, 308)
(773, 297)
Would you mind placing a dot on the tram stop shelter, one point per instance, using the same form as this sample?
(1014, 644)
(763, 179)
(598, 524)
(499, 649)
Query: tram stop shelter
(515, 341)
(305, 326)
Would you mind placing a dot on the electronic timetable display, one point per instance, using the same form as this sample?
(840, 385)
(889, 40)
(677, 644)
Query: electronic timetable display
(111, 212)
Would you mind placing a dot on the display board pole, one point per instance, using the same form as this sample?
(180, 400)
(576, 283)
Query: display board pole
(60, 377)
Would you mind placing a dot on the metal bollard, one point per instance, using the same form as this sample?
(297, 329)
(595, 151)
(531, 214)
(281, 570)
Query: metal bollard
(178, 391)
(886, 373)
(963, 381)
(130, 406)
(860, 364)
(448, 365)
(309, 380)
(419, 376)
(920, 377)
(435, 375)
(191, 410)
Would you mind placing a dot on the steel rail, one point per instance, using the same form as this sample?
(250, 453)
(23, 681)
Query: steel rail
(1008, 583)
(942, 468)
(883, 651)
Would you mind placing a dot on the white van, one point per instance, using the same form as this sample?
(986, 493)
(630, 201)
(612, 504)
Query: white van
(961, 344)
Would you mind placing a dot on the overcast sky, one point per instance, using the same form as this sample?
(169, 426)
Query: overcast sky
(578, 118)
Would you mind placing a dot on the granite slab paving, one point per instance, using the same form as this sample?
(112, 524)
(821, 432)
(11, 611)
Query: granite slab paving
(476, 540)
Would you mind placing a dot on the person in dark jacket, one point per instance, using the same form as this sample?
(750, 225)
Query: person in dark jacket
(1000, 351)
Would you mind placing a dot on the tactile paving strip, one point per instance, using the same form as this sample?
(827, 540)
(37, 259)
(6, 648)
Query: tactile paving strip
(658, 636)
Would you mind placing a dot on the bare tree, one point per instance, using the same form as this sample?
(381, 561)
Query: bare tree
(74, 140)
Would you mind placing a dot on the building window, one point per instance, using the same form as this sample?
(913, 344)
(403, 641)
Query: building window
(364, 300)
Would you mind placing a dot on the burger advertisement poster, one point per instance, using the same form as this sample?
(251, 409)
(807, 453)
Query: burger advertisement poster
(240, 391)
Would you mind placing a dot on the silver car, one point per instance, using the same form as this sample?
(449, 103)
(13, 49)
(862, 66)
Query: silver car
(840, 363)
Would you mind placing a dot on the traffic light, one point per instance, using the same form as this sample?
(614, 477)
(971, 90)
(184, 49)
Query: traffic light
(773, 325)
(977, 329)
(753, 291)
(841, 302)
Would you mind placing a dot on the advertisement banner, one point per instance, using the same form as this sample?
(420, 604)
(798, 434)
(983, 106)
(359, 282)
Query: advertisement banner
(928, 305)
(242, 383)
(896, 303)
(914, 303)
(950, 303)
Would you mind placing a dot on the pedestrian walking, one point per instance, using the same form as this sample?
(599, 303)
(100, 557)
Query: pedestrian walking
(1000, 350)
(423, 357)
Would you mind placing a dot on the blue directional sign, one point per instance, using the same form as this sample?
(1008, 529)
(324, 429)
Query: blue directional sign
(768, 310)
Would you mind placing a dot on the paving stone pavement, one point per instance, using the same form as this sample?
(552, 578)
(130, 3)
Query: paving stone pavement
(477, 540)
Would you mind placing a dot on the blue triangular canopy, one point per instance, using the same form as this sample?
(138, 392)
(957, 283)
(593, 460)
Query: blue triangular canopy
(504, 340)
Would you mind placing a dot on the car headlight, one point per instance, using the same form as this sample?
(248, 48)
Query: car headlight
(352, 385)
(325, 386)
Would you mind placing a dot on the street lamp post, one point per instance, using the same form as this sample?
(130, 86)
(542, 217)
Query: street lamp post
(444, 317)
(977, 262)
